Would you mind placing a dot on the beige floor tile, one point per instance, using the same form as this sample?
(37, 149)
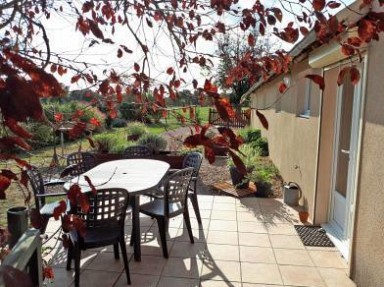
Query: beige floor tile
(62, 277)
(257, 254)
(335, 278)
(281, 228)
(215, 283)
(249, 216)
(106, 261)
(60, 258)
(224, 214)
(224, 206)
(182, 267)
(205, 198)
(293, 257)
(327, 259)
(251, 226)
(178, 282)
(204, 213)
(91, 278)
(195, 224)
(137, 280)
(187, 249)
(222, 237)
(260, 285)
(223, 225)
(153, 247)
(223, 252)
(254, 239)
(199, 235)
(151, 265)
(205, 205)
(250, 202)
(286, 241)
(260, 273)
(301, 276)
(224, 199)
(221, 270)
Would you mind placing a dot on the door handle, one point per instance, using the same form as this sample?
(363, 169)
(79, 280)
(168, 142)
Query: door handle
(344, 151)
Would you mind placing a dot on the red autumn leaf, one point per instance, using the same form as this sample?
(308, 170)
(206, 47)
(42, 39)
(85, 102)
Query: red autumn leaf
(341, 76)
(9, 173)
(5, 182)
(77, 130)
(319, 80)
(91, 142)
(75, 78)
(251, 40)
(93, 188)
(136, 66)
(209, 87)
(278, 14)
(60, 209)
(95, 122)
(84, 202)
(224, 108)
(12, 142)
(36, 218)
(354, 41)
(15, 277)
(193, 141)
(238, 162)
(348, 50)
(304, 31)
(73, 193)
(95, 29)
(333, 4)
(17, 129)
(282, 87)
(262, 119)
(209, 154)
(48, 272)
(355, 75)
(194, 82)
(170, 71)
(234, 140)
(59, 117)
(366, 30)
(318, 5)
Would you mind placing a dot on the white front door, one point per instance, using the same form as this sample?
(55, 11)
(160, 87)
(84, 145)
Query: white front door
(344, 159)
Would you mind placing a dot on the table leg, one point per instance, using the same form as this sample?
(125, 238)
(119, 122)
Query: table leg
(135, 203)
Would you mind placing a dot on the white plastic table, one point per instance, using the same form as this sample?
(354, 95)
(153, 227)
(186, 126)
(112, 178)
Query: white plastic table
(135, 175)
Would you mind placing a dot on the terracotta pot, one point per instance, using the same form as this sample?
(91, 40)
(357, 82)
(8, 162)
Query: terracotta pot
(303, 215)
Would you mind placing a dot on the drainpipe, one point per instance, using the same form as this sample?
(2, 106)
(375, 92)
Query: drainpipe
(318, 154)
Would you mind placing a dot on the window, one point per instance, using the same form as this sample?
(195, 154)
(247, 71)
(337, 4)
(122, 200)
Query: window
(304, 99)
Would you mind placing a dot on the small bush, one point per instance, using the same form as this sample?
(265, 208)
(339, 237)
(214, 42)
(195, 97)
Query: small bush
(136, 129)
(42, 134)
(262, 144)
(109, 143)
(129, 111)
(248, 155)
(118, 123)
(250, 135)
(154, 142)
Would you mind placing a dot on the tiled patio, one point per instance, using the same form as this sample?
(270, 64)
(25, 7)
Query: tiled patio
(246, 242)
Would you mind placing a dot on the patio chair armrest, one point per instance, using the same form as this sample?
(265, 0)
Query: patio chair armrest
(67, 170)
(52, 194)
(54, 182)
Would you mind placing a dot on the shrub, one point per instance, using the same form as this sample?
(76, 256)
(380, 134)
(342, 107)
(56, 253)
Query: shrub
(104, 142)
(42, 134)
(129, 111)
(136, 129)
(118, 123)
(153, 141)
(248, 155)
(262, 144)
(250, 135)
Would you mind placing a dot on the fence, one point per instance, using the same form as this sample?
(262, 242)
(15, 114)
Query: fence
(239, 121)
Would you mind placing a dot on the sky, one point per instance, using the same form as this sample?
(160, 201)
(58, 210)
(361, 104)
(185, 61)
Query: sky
(74, 46)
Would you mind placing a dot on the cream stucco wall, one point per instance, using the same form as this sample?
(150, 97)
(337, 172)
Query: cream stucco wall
(292, 139)
(368, 247)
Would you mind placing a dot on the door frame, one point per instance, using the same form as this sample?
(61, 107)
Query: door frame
(345, 244)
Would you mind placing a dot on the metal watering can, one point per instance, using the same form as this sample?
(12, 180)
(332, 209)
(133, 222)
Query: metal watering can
(292, 193)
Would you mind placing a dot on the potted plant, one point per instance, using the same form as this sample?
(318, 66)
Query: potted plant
(262, 175)
(249, 156)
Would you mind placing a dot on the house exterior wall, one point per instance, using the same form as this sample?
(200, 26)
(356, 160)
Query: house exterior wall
(292, 139)
(368, 246)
